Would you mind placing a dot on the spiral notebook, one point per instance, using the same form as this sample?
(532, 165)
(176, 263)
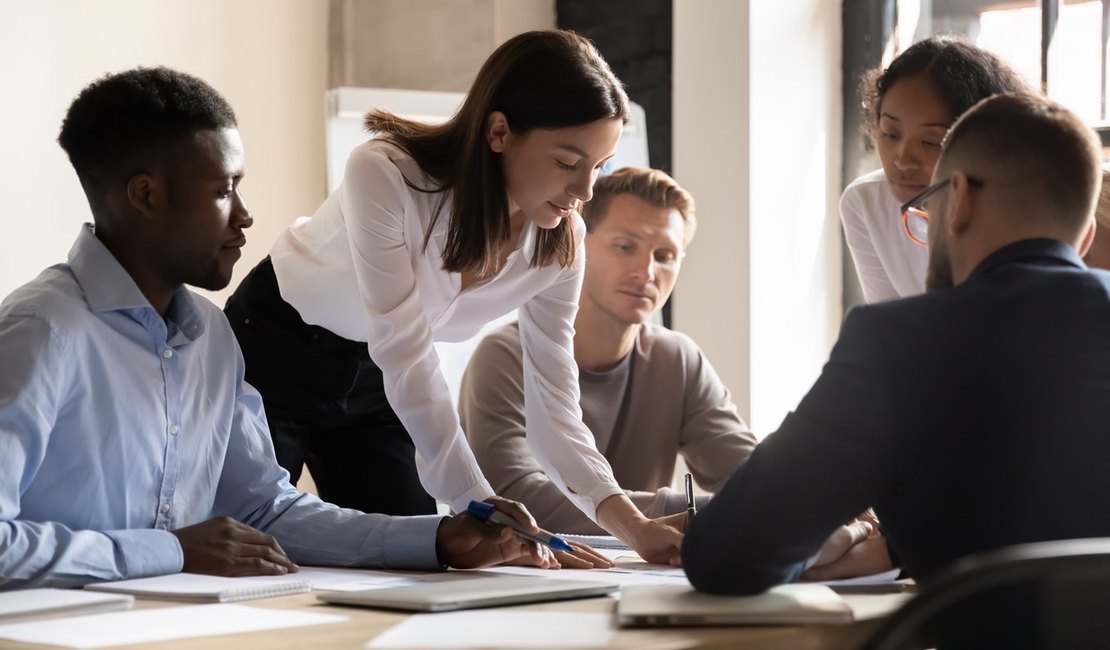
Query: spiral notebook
(195, 588)
(596, 541)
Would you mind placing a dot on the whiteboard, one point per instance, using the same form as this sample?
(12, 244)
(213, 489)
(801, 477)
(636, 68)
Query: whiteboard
(345, 109)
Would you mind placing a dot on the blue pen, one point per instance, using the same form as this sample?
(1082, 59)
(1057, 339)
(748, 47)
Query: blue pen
(486, 512)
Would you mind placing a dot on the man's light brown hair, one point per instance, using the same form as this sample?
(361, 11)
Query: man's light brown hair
(1102, 210)
(1042, 159)
(649, 185)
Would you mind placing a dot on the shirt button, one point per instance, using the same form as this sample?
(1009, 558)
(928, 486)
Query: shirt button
(167, 353)
(165, 507)
(174, 429)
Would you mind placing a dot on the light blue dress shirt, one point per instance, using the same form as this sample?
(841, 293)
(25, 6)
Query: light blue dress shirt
(118, 426)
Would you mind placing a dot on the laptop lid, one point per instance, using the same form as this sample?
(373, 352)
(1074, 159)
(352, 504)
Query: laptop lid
(469, 594)
(680, 605)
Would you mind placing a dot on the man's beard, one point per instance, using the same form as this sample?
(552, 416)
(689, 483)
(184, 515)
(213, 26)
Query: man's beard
(210, 278)
(939, 273)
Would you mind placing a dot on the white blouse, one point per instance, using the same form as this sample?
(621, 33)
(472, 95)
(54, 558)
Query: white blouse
(358, 268)
(890, 265)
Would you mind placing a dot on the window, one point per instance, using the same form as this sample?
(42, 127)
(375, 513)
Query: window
(1059, 45)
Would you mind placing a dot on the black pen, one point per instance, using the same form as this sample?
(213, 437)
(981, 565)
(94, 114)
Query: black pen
(691, 509)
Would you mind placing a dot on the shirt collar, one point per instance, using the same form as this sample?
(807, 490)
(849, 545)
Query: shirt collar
(109, 287)
(1051, 250)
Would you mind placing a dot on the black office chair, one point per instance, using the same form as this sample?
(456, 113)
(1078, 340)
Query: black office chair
(1057, 594)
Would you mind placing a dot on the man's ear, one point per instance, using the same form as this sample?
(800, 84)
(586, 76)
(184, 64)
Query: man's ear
(1087, 238)
(145, 194)
(497, 131)
(961, 203)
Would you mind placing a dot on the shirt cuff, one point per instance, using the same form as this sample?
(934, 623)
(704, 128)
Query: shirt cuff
(147, 552)
(479, 492)
(594, 498)
(410, 543)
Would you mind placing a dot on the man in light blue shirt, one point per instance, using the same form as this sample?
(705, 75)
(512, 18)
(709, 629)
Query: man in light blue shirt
(130, 445)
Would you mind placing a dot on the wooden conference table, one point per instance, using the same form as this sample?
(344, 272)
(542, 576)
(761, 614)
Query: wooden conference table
(362, 625)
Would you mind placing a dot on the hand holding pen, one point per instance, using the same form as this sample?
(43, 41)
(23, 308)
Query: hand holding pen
(465, 542)
(573, 555)
(691, 508)
(487, 512)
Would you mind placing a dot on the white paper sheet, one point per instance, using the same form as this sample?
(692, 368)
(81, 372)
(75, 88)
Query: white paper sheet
(329, 579)
(499, 629)
(353, 579)
(874, 579)
(619, 576)
(596, 541)
(164, 624)
(629, 570)
(34, 604)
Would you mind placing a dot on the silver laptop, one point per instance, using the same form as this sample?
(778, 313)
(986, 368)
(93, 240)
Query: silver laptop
(468, 594)
(680, 605)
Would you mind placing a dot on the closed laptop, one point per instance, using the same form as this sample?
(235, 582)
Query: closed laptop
(793, 604)
(468, 594)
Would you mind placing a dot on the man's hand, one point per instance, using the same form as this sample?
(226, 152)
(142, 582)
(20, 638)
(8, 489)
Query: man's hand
(225, 547)
(516, 510)
(583, 557)
(841, 542)
(866, 558)
(464, 542)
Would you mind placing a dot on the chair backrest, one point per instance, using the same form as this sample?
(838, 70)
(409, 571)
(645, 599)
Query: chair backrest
(1065, 583)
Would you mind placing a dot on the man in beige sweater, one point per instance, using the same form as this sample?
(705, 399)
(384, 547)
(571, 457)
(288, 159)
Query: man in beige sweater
(647, 393)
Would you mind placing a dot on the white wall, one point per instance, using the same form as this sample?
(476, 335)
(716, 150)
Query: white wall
(424, 44)
(756, 140)
(268, 57)
(757, 113)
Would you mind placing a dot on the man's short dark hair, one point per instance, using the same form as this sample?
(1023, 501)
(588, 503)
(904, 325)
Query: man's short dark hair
(120, 114)
(1045, 157)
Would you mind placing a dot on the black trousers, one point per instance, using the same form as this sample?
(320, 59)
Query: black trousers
(326, 405)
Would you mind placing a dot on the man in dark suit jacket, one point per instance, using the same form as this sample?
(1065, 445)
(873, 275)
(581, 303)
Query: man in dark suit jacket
(972, 417)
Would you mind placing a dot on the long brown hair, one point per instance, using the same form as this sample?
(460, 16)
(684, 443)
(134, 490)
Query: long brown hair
(541, 79)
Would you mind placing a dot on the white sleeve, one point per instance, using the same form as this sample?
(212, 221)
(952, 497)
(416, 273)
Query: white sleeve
(556, 434)
(872, 276)
(400, 338)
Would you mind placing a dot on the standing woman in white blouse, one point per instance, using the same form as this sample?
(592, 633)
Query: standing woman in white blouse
(434, 231)
(908, 108)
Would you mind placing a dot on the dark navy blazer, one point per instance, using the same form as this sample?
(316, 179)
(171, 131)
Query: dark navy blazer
(970, 418)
